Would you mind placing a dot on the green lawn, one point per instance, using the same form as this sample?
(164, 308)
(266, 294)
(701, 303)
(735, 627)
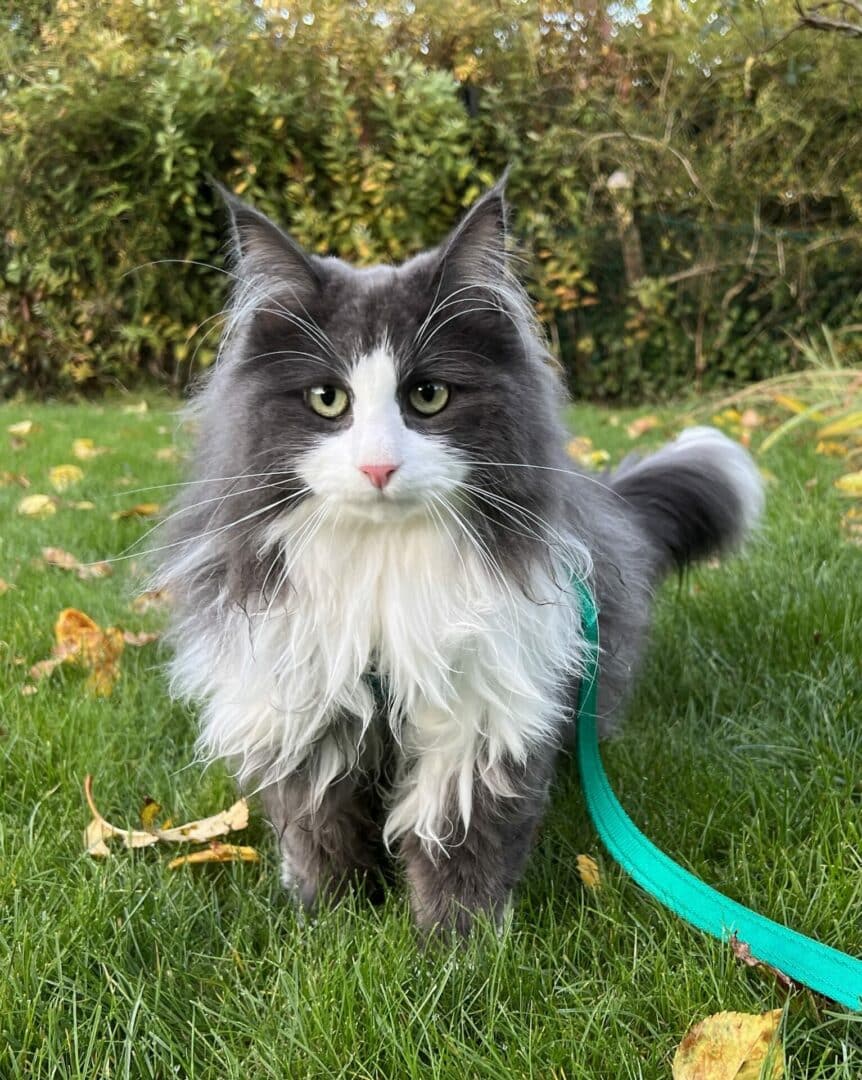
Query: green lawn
(742, 757)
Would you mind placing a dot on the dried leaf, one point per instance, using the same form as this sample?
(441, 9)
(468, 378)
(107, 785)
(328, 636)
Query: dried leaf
(235, 817)
(8, 479)
(136, 410)
(642, 425)
(588, 869)
(845, 425)
(5, 586)
(167, 453)
(831, 448)
(37, 506)
(63, 477)
(750, 419)
(850, 484)
(136, 640)
(217, 853)
(23, 428)
(731, 1046)
(78, 639)
(66, 561)
(83, 505)
(155, 598)
(85, 449)
(139, 511)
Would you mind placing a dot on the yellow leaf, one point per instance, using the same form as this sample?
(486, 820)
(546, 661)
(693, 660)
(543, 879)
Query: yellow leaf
(845, 425)
(588, 869)
(78, 639)
(167, 453)
(830, 448)
(37, 506)
(149, 813)
(641, 426)
(850, 484)
(792, 404)
(63, 477)
(136, 410)
(217, 853)
(84, 449)
(141, 510)
(731, 1046)
(83, 505)
(23, 428)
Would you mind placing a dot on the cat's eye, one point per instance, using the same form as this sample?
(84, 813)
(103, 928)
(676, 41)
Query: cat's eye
(428, 398)
(327, 401)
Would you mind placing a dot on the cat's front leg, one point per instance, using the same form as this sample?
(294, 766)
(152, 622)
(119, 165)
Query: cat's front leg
(327, 847)
(475, 871)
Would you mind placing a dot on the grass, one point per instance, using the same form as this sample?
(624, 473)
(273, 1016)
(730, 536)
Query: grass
(742, 757)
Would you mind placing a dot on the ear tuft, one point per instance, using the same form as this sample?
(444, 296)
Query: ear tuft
(262, 249)
(476, 250)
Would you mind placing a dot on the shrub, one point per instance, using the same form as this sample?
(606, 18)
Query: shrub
(366, 128)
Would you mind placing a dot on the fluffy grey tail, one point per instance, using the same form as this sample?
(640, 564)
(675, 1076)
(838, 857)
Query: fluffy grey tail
(699, 494)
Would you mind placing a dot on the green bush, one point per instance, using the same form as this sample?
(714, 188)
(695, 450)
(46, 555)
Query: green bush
(367, 127)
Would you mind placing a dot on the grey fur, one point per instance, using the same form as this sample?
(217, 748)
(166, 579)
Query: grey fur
(296, 317)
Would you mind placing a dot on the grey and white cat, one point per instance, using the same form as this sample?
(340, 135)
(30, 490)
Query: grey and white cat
(372, 562)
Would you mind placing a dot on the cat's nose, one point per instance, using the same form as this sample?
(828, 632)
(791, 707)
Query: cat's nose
(379, 475)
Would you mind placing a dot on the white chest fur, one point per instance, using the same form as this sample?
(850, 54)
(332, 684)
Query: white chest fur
(473, 666)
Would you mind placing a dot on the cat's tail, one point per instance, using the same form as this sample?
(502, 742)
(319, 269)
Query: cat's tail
(700, 494)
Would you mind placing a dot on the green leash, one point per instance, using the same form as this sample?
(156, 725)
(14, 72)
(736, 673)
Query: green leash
(825, 970)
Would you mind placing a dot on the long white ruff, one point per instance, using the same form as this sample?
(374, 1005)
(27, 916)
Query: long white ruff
(474, 667)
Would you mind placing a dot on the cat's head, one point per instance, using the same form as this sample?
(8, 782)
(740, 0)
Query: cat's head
(380, 392)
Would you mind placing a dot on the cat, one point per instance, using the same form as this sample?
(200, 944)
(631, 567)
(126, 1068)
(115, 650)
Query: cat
(372, 561)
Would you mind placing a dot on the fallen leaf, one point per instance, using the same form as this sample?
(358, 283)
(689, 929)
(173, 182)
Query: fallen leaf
(84, 505)
(139, 511)
(37, 506)
(850, 484)
(136, 410)
(167, 453)
(155, 598)
(582, 450)
(844, 425)
(217, 853)
(731, 1046)
(28, 689)
(85, 449)
(78, 639)
(5, 586)
(750, 419)
(794, 405)
(742, 951)
(8, 479)
(65, 560)
(588, 869)
(641, 426)
(99, 830)
(149, 813)
(831, 448)
(136, 640)
(23, 428)
(63, 477)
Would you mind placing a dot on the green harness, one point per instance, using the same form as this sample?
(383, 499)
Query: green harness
(825, 970)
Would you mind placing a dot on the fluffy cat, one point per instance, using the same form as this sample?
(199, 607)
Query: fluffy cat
(372, 561)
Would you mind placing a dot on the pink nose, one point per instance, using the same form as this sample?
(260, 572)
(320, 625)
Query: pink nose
(379, 475)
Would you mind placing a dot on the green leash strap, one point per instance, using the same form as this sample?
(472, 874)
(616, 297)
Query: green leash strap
(825, 970)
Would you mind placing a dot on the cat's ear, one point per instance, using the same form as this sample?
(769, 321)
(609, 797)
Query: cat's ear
(262, 249)
(475, 252)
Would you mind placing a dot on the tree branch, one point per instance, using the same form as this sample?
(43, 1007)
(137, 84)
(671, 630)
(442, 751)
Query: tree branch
(816, 17)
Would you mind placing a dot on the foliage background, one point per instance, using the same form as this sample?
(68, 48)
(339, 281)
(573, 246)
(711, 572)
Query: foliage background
(365, 126)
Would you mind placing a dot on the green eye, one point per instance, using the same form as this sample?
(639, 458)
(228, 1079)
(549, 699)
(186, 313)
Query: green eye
(429, 398)
(328, 401)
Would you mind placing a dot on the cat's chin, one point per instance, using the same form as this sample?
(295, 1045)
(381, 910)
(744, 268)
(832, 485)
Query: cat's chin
(385, 510)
